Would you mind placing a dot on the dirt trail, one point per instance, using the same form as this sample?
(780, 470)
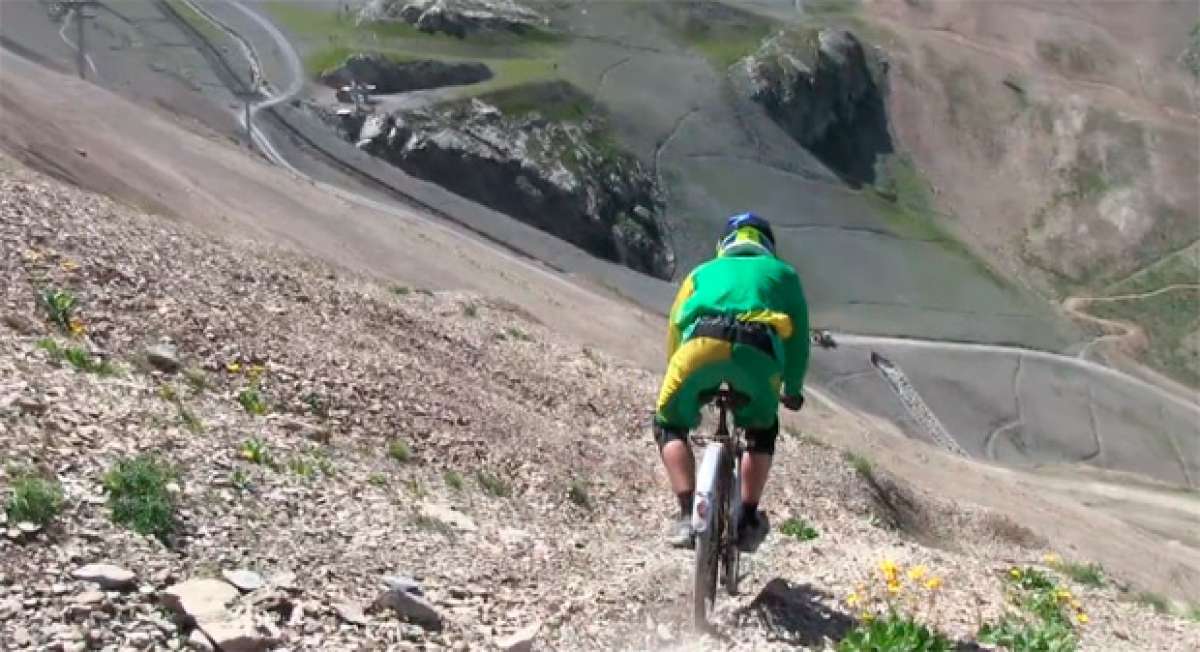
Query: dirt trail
(1130, 336)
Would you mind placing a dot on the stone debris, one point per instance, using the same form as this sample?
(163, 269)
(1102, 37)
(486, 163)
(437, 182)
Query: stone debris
(246, 581)
(109, 577)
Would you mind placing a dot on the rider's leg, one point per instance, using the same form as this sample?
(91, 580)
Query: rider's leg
(681, 472)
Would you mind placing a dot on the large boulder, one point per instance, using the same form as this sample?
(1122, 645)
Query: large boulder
(456, 17)
(566, 178)
(391, 76)
(828, 92)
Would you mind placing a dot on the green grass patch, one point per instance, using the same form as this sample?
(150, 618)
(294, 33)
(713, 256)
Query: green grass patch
(1170, 319)
(398, 450)
(493, 485)
(252, 401)
(203, 26)
(60, 307)
(78, 357)
(33, 498)
(377, 479)
(139, 498)
(1153, 600)
(255, 451)
(453, 479)
(1085, 574)
(859, 463)
(893, 632)
(798, 528)
(578, 494)
(721, 33)
(555, 100)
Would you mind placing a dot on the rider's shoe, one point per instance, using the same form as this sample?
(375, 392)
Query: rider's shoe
(752, 530)
(680, 534)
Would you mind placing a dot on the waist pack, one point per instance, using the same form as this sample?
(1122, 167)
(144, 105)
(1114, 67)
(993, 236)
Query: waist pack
(755, 334)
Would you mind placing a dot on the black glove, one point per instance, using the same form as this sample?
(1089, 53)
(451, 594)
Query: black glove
(793, 403)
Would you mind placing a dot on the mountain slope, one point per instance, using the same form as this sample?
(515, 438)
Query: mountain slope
(529, 492)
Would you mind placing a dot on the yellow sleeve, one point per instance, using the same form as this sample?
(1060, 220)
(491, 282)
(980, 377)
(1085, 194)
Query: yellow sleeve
(686, 289)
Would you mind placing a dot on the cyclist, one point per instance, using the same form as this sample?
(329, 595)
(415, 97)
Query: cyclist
(740, 318)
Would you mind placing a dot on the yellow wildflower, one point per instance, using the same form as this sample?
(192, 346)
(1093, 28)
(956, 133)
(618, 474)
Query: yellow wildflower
(1082, 618)
(1063, 595)
(934, 583)
(893, 587)
(69, 265)
(1052, 559)
(1015, 573)
(853, 599)
(233, 367)
(866, 616)
(1076, 605)
(254, 372)
(916, 573)
(77, 328)
(889, 569)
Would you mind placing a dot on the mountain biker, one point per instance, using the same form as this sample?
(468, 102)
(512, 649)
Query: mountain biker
(740, 318)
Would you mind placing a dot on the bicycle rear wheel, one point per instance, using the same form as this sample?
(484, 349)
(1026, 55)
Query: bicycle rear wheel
(730, 553)
(704, 588)
(711, 502)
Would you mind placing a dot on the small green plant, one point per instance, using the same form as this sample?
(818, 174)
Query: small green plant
(401, 290)
(1018, 635)
(1031, 579)
(254, 450)
(399, 451)
(60, 305)
(77, 357)
(317, 405)
(578, 494)
(34, 499)
(426, 522)
(860, 464)
(190, 421)
(167, 392)
(453, 479)
(517, 334)
(416, 488)
(196, 379)
(1085, 574)
(324, 464)
(492, 484)
(798, 528)
(252, 401)
(139, 497)
(377, 479)
(240, 479)
(470, 310)
(302, 467)
(893, 632)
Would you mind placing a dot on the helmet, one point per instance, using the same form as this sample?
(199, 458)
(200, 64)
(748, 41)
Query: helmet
(746, 233)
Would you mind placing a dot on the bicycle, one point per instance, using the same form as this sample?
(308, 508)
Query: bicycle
(716, 508)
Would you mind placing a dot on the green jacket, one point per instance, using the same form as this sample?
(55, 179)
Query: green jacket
(759, 288)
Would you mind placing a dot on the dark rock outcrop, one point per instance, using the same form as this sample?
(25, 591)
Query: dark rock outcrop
(389, 76)
(828, 92)
(455, 17)
(565, 178)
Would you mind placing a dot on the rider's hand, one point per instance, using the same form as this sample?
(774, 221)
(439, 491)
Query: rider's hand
(793, 403)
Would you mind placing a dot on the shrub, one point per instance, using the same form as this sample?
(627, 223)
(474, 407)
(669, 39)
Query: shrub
(78, 357)
(252, 401)
(893, 633)
(798, 528)
(492, 484)
(255, 451)
(454, 480)
(399, 451)
(578, 494)
(60, 305)
(139, 498)
(1085, 574)
(34, 499)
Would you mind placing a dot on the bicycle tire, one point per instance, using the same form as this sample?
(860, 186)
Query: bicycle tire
(730, 553)
(709, 545)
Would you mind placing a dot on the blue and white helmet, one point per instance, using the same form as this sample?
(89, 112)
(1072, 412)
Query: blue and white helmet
(746, 234)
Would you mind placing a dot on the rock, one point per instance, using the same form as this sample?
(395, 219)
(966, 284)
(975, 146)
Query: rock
(31, 405)
(407, 602)
(237, 634)
(246, 581)
(456, 17)
(521, 640)
(9, 608)
(350, 612)
(164, 357)
(198, 641)
(199, 599)
(448, 515)
(89, 598)
(563, 177)
(21, 324)
(390, 76)
(109, 577)
(827, 91)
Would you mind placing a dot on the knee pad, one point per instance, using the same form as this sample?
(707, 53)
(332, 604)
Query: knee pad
(762, 440)
(663, 435)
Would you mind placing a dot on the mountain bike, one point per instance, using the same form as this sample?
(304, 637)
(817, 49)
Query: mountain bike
(716, 508)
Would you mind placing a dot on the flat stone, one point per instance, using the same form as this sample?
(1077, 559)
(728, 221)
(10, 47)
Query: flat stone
(164, 357)
(350, 612)
(199, 599)
(520, 640)
(89, 598)
(108, 576)
(237, 634)
(410, 606)
(244, 580)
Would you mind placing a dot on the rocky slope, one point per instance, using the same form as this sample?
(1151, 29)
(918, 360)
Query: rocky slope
(455, 17)
(521, 507)
(828, 91)
(564, 177)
